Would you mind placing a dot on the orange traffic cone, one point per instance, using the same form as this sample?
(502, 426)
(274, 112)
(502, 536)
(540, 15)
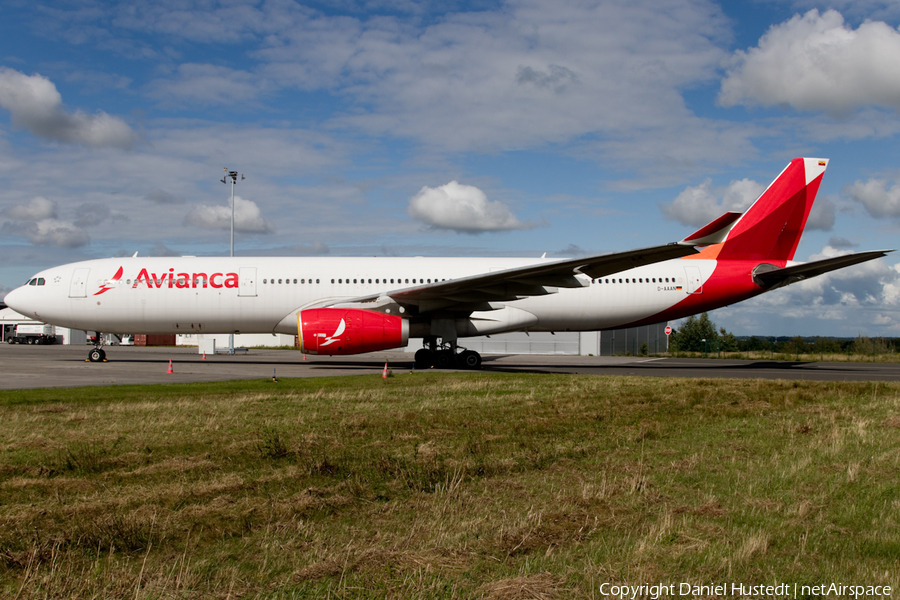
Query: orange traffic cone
(204, 356)
(304, 357)
(170, 371)
(384, 373)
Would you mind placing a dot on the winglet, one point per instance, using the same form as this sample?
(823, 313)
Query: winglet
(713, 233)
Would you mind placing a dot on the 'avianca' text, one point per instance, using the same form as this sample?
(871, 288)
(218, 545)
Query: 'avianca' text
(186, 280)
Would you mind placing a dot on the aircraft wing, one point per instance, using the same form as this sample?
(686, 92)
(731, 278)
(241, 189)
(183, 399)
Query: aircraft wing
(477, 291)
(780, 277)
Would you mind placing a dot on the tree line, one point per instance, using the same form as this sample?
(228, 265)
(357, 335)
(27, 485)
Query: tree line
(700, 334)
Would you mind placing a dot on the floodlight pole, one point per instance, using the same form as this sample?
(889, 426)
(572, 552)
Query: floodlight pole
(232, 175)
(232, 218)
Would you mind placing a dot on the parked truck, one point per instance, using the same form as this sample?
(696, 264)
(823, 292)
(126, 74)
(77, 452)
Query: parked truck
(37, 333)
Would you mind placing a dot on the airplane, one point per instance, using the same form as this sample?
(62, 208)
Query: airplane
(341, 306)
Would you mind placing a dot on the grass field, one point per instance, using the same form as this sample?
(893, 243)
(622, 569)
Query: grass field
(446, 486)
(886, 357)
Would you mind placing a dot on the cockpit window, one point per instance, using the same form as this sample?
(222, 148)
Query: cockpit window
(33, 281)
(40, 281)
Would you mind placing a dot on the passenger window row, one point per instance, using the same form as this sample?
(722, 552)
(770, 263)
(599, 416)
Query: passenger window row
(358, 280)
(288, 280)
(636, 280)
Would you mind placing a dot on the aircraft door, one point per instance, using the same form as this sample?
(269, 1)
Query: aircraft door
(694, 281)
(78, 287)
(247, 286)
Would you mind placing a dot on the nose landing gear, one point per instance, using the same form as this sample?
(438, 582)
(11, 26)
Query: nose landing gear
(97, 354)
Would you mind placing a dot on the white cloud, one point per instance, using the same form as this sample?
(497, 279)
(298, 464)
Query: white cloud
(840, 243)
(217, 23)
(699, 205)
(36, 105)
(90, 214)
(316, 248)
(207, 85)
(847, 302)
(181, 164)
(163, 197)
(822, 215)
(37, 220)
(247, 217)
(570, 251)
(528, 74)
(817, 62)
(876, 197)
(608, 76)
(52, 232)
(882, 10)
(462, 208)
(867, 123)
(867, 284)
(36, 209)
(160, 249)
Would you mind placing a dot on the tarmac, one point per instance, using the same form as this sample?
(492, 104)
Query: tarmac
(27, 367)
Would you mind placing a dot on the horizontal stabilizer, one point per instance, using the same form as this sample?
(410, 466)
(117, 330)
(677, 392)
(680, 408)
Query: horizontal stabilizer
(714, 233)
(776, 277)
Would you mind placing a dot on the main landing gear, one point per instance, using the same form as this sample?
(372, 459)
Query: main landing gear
(447, 357)
(97, 354)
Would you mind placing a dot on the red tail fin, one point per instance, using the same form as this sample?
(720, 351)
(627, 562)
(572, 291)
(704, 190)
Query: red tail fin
(771, 228)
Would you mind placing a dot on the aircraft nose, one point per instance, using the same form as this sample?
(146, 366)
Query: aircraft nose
(14, 300)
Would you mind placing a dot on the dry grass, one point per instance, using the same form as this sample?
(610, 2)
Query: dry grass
(444, 486)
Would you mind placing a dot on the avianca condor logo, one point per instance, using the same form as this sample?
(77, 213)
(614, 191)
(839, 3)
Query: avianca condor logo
(334, 337)
(111, 283)
(170, 279)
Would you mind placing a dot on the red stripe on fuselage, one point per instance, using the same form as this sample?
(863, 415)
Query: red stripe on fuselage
(730, 282)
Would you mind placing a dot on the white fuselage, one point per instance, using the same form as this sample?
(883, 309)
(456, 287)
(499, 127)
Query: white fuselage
(263, 295)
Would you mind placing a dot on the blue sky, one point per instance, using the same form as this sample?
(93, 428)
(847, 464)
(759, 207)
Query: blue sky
(451, 128)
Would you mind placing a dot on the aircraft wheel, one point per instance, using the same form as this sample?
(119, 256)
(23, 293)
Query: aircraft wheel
(424, 359)
(444, 359)
(96, 355)
(470, 359)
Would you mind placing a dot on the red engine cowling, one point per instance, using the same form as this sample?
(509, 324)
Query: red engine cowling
(349, 331)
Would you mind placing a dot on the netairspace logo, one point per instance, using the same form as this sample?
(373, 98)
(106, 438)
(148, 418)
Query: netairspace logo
(776, 590)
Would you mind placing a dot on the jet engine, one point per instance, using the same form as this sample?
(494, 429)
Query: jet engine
(349, 331)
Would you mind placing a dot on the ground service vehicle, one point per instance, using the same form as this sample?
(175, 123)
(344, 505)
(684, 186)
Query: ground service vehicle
(38, 333)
